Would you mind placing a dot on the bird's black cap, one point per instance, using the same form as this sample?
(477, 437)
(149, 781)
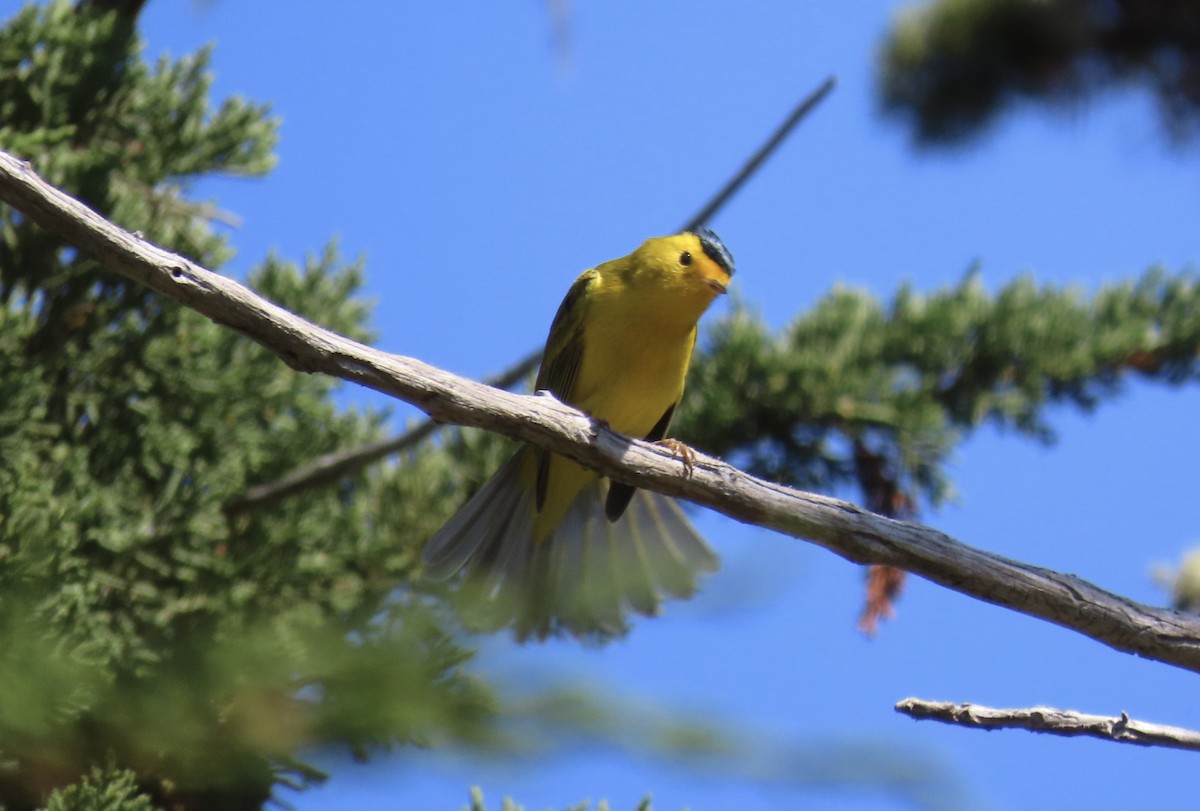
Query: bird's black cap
(715, 249)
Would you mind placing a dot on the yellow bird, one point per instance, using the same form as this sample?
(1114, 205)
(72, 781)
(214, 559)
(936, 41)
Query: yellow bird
(553, 545)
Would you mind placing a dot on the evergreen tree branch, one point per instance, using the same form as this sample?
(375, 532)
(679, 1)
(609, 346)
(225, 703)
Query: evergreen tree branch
(1068, 723)
(333, 466)
(128, 8)
(950, 68)
(849, 531)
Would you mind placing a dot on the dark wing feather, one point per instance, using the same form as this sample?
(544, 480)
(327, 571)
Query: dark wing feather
(620, 494)
(560, 362)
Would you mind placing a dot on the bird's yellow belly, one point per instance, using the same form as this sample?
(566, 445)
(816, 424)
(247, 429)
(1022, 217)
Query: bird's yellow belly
(630, 383)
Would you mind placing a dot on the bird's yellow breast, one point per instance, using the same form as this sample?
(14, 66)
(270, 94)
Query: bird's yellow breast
(633, 367)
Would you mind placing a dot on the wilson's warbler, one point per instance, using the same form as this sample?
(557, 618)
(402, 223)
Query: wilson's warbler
(554, 545)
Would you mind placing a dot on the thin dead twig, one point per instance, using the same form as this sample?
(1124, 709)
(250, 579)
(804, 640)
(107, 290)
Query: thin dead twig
(1068, 723)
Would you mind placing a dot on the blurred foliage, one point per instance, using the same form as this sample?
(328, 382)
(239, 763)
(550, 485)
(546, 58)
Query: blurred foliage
(704, 745)
(477, 804)
(103, 789)
(949, 67)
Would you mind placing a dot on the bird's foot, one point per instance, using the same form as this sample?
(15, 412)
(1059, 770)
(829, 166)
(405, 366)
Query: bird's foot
(685, 454)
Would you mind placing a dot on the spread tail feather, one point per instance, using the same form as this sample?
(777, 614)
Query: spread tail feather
(585, 576)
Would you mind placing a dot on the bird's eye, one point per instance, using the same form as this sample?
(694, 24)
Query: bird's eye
(685, 258)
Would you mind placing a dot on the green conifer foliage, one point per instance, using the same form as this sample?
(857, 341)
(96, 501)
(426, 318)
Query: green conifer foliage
(143, 627)
(103, 789)
(907, 381)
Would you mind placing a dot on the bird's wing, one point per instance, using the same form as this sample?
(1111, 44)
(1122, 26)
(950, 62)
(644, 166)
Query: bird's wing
(560, 362)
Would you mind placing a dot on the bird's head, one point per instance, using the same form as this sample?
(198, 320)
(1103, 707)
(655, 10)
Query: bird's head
(693, 260)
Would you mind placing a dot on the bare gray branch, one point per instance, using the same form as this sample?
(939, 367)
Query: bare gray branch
(1068, 723)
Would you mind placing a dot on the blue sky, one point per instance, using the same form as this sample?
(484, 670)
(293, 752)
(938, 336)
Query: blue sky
(478, 173)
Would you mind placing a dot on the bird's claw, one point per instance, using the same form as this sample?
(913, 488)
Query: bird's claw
(685, 453)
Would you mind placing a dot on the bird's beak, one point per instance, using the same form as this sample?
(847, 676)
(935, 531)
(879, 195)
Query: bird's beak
(716, 286)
